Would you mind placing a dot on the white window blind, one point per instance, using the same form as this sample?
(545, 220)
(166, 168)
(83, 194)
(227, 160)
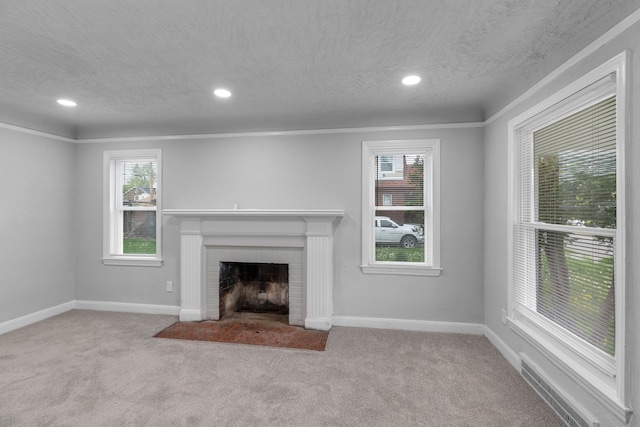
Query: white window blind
(564, 235)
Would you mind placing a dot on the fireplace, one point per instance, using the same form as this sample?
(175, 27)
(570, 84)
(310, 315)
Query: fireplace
(247, 287)
(302, 239)
(292, 256)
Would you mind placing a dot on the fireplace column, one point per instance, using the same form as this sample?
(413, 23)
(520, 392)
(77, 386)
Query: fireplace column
(319, 271)
(191, 256)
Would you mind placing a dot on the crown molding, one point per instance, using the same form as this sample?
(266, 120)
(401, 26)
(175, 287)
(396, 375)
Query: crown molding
(35, 132)
(465, 125)
(283, 133)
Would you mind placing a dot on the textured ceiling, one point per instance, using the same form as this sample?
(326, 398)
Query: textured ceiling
(148, 67)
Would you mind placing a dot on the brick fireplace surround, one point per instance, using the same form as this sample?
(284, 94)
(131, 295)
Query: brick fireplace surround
(309, 230)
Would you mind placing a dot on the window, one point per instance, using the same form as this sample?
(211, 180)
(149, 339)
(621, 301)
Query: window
(567, 229)
(132, 232)
(400, 212)
(386, 163)
(390, 167)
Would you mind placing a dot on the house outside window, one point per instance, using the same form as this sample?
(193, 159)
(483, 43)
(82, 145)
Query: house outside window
(132, 196)
(566, 261)
(401, 207)
(390, 167)
(386, 163)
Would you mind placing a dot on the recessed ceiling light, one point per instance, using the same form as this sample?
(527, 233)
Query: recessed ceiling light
(222, 93)
(411, 80)
(67, 102)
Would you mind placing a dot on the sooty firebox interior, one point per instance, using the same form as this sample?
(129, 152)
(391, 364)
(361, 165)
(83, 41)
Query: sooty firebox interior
(253, 287)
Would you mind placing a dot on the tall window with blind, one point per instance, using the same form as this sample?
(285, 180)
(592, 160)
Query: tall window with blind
(575, 205)
(132, 229)
(567, 249)
(400, 188)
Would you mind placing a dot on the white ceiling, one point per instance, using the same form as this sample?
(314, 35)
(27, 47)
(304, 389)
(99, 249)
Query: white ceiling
(148, 67)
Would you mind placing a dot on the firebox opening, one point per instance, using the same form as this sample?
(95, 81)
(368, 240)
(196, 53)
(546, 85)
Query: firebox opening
(254, 288)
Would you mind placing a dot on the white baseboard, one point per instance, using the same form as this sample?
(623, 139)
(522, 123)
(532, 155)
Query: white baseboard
(124, 307)
(29, 319)
(127, 307)
(409, 325)
(358, 322)
(503, 348)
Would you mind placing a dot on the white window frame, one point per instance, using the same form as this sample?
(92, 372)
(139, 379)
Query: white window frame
(387, 200)
(600, 374)
(430, 148)
(110, 214)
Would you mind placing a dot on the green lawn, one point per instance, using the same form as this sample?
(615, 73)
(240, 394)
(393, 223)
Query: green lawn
(138, 245)
(392, 253)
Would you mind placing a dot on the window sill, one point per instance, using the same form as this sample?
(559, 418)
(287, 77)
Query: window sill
(401, 269)
(133, 261)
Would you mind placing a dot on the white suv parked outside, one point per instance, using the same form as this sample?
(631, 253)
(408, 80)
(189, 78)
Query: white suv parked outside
(389, 232)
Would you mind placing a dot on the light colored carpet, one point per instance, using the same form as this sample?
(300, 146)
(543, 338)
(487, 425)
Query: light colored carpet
(86, 368)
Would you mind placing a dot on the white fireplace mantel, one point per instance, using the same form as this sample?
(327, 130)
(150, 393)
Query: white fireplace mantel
(310, 229)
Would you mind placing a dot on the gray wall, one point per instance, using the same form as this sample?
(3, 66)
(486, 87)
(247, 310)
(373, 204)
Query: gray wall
(495, 226)
(36, 223)
(298, 172)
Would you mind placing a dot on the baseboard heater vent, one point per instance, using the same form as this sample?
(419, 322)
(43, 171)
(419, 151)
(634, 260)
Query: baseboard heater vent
(572, 415)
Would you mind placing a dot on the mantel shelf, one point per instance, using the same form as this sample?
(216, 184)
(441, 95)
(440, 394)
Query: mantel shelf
(328, 214)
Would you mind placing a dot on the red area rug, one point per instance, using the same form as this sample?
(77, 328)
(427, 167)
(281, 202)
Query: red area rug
(270, 334)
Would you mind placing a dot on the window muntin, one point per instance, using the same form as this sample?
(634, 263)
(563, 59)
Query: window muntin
(567, 234)
(400, 208)
(132, 198)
